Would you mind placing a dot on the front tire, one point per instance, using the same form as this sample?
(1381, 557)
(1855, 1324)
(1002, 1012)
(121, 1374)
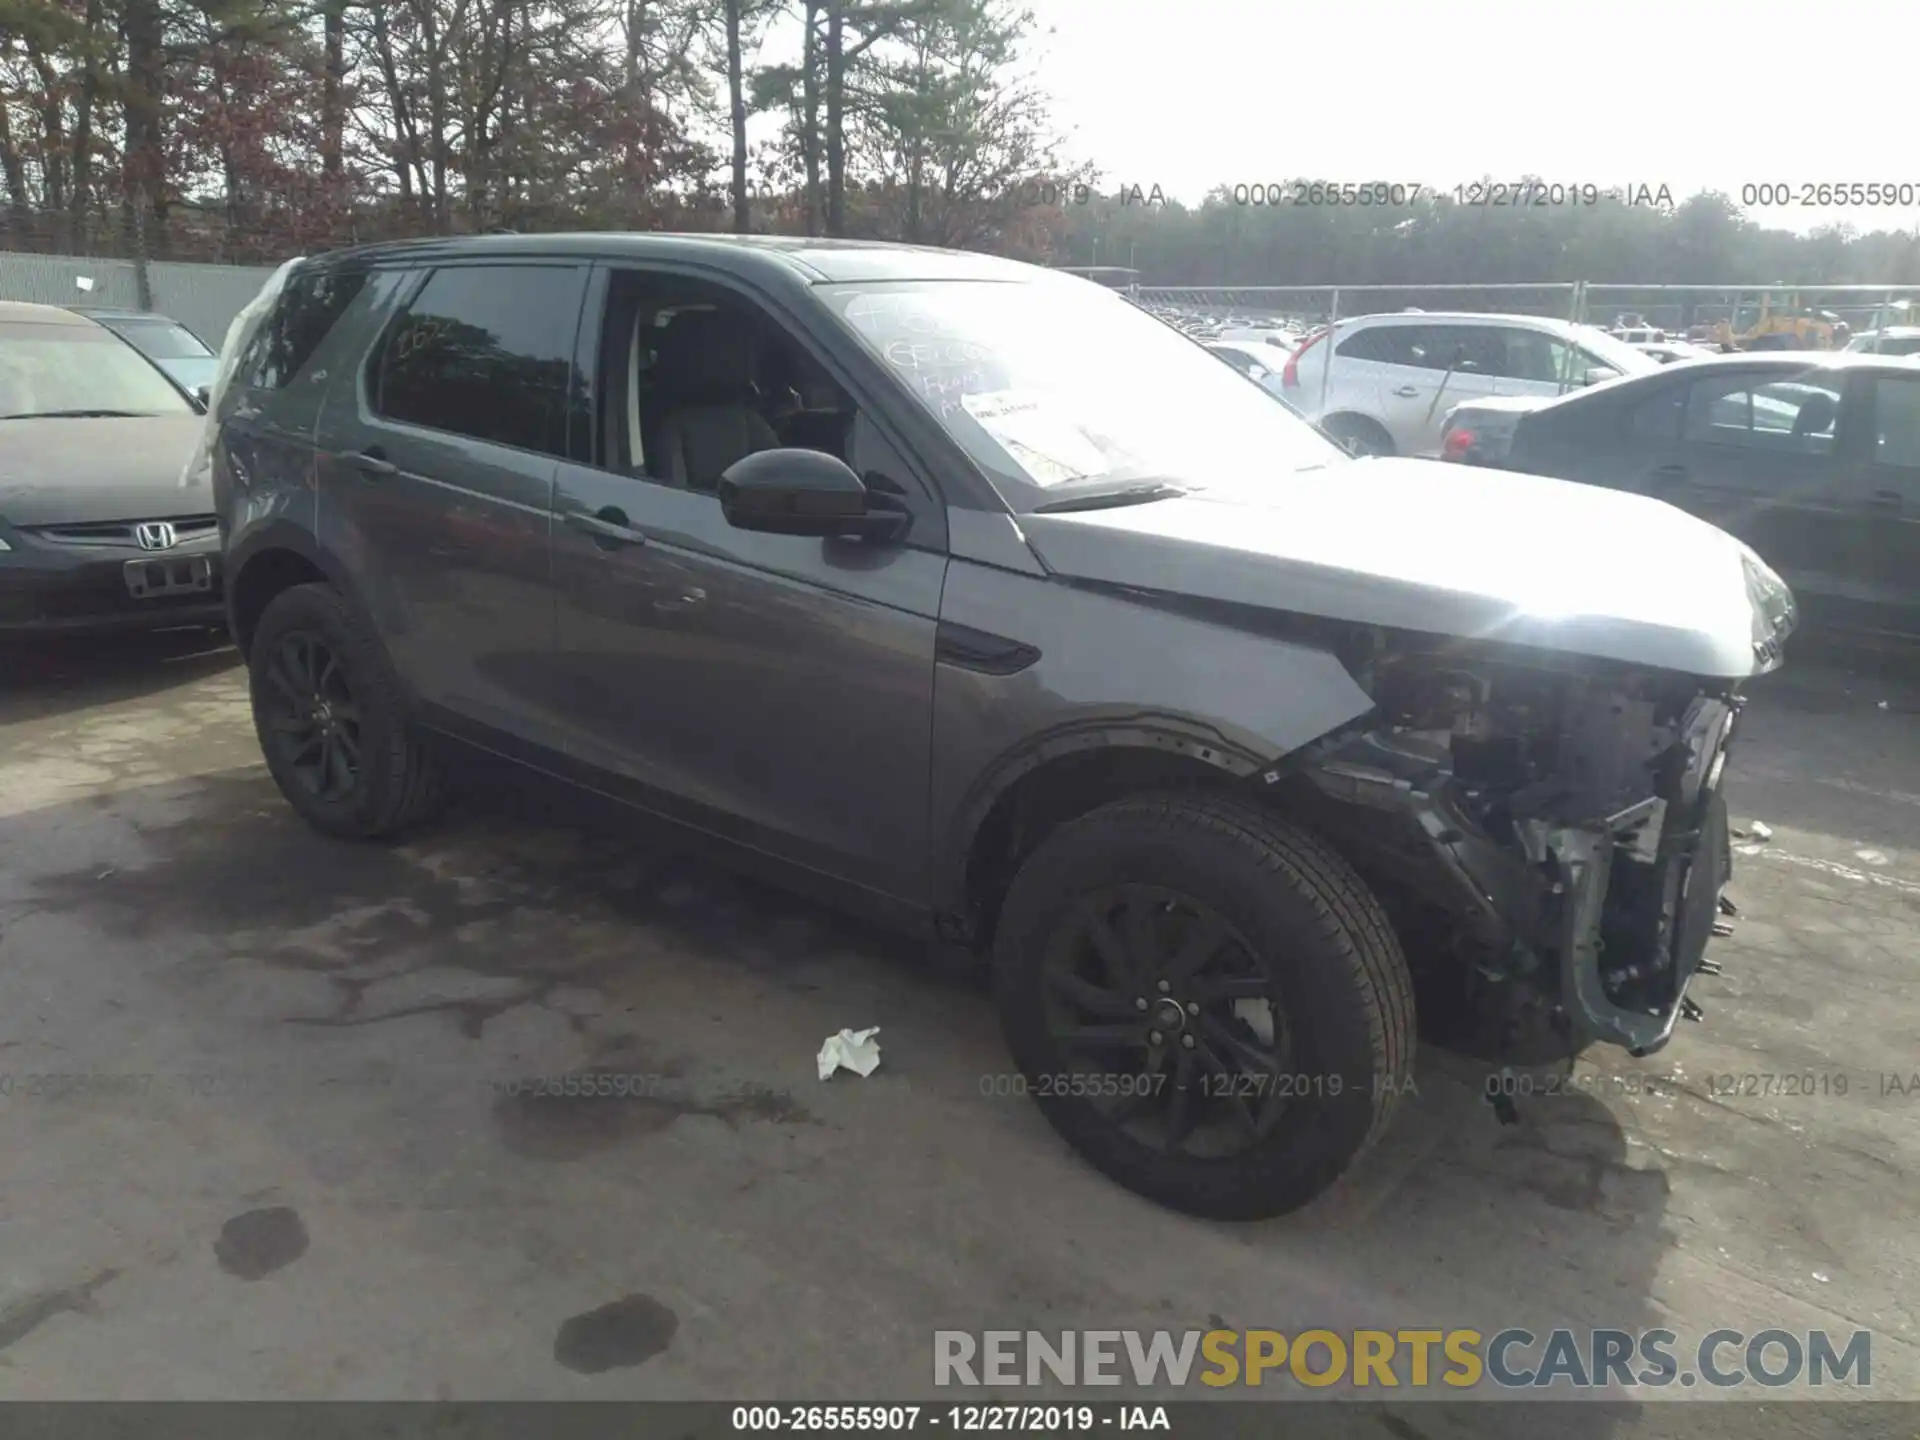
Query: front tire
(1205, 1001)
(333, 729)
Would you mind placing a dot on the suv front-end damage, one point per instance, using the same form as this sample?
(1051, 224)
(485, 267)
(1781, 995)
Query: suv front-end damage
(1553, 829)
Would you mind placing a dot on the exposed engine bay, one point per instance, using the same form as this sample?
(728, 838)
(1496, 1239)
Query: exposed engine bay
(1561, 842)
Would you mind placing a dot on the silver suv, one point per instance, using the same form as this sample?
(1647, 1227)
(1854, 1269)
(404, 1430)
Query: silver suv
(970, 596)
(1394, 377)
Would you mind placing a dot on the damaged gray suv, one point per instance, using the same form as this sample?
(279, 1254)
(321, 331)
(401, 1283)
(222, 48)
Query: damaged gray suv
(971, 597)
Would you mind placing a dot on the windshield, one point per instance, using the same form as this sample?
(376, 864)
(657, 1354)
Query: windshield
(1057, 388)
(64, 369)
(191, 371)
(162, 339)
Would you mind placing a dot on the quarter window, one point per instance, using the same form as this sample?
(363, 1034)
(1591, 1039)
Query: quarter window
(486, 351)
(309, 307)
(1530, 355)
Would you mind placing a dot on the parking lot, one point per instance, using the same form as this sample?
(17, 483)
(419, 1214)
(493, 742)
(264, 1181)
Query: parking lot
(319, 1182)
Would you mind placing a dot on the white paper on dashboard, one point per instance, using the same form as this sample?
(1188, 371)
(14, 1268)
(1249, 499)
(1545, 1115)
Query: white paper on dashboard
(1047, 445)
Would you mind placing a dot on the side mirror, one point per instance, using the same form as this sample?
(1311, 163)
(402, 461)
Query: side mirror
(203, 396)
(803, 492)
(1599, 373)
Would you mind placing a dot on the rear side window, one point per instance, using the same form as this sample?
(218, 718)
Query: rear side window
(1795, 416)
(485, 351)
(1469, 349)
(308, 309)
(1896, 423)
(1388, 344)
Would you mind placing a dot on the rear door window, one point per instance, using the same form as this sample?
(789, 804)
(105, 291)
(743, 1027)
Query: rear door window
(485, 351)
(1466, 349)
(1896, 429)
(1386, 345)
(1789, 416)
(1472, 349)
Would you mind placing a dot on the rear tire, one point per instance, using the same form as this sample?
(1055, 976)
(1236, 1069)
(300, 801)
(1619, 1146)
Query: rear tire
(1360, 435)
(1311, 1086)
(328, 711)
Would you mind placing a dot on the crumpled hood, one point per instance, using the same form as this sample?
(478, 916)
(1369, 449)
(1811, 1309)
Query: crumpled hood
(1449, 550)
(79, 471)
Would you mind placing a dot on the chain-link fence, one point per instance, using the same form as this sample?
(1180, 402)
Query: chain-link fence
(1680, 308)
(1309, 305)
(1674, 308)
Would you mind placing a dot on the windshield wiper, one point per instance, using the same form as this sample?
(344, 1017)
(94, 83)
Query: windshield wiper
(79, 415)
(1104, 499)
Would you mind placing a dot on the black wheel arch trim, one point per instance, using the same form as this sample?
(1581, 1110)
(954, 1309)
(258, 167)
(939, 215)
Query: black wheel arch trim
(292, 537)
(1168, 734)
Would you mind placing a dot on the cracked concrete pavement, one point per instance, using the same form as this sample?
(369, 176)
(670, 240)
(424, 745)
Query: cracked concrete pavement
(319, 1172)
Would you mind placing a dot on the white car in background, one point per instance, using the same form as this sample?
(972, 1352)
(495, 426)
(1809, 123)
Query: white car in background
(1668, 351)
(1254, 359)
(1894, 340)
(1393, 378)
(1261, 335)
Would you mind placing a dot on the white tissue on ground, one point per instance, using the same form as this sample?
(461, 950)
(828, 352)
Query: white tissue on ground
(854, 1050)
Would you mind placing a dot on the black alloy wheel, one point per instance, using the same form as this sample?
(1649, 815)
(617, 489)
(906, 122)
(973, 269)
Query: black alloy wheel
(1205, 1000)
(332, 718)
(1174, 1024)
(312, 718)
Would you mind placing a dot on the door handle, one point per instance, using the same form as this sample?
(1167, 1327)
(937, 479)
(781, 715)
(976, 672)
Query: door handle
(608, 526)
(372, 462)
(1886, 500)
(1407, 392)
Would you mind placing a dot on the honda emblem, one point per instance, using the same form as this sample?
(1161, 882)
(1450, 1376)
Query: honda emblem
(155, 535)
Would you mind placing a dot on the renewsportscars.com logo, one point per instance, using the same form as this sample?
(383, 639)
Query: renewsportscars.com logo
(1458, 1359)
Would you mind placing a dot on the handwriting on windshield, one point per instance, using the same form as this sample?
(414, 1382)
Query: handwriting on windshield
(925, 346)
(933, 354)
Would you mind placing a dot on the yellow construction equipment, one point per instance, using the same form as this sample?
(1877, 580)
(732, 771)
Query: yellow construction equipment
(1775, 320)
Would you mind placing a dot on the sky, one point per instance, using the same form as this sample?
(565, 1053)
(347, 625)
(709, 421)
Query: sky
(1690, 94)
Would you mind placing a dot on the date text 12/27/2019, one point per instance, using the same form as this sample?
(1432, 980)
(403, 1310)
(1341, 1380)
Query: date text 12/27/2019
(1474, 194)
(964, 1419)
